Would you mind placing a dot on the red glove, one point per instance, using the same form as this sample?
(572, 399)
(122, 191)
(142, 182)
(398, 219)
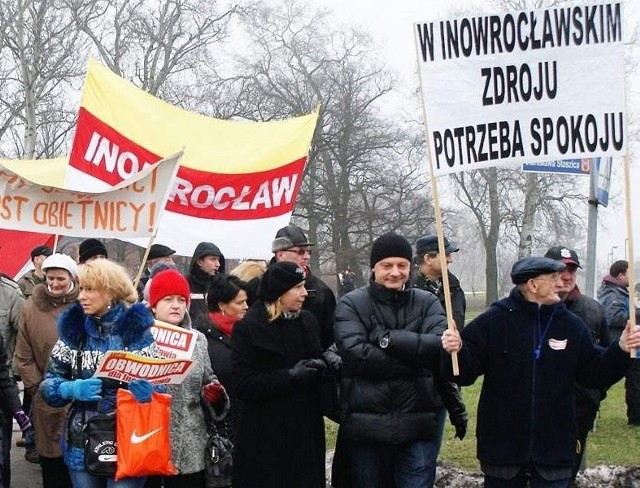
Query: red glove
(213, 392)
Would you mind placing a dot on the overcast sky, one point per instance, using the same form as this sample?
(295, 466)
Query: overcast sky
(390, 24)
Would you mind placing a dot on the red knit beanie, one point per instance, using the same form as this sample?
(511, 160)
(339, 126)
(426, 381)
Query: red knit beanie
(165, 283)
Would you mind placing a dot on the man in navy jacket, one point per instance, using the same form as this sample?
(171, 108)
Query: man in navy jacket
(531, 350)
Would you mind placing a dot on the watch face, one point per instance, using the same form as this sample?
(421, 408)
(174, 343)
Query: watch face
(384, 342)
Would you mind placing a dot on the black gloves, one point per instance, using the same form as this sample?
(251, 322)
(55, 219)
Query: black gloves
(305, 370)
(450, 394)
(332, 358)
(460, 419)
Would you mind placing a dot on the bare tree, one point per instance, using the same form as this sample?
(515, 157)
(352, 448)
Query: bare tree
(162, 46)
(42, 59)
(361, 178)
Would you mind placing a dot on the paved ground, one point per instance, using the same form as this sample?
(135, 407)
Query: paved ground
(23, 473)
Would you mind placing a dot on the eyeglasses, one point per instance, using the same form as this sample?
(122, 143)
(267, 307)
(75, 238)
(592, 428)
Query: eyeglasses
(552, 278)
(300, 251)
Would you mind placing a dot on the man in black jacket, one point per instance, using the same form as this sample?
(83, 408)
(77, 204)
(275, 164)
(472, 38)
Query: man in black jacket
(292, 245)
(206, 262)
(429, 278)
(531, 351)
(388, 335)
(591, 312)
(613, 294)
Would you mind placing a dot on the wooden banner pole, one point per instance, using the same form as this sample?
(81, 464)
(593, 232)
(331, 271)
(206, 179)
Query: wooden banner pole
(629, 243)
(438, 215)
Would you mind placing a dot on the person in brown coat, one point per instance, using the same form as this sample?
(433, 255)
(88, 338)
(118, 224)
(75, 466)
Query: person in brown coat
(37, 335)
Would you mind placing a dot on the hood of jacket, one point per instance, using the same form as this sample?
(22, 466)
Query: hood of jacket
(205, 249)
(126, 322)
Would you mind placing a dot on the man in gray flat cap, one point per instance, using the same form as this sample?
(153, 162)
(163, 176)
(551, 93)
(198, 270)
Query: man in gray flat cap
(531, 351)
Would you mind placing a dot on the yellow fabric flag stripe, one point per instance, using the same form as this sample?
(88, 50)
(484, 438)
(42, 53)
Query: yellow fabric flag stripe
(210, 144)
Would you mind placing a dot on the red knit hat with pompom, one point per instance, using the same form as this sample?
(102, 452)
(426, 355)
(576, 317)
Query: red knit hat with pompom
(165, 283)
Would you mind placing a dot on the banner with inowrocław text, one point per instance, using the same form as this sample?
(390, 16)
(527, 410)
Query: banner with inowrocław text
(238, 181)
(131, 208)
(524, 86)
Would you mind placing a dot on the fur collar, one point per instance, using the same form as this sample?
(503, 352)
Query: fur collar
(126, 322)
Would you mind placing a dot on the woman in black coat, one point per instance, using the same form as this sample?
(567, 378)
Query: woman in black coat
(276, 371)
(226, 305)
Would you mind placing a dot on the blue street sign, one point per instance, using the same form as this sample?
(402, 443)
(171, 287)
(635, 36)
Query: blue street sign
(560, 166)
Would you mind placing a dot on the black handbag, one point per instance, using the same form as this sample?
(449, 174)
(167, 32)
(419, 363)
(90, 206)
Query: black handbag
(100, 445)
(218, 459)
(99, 437)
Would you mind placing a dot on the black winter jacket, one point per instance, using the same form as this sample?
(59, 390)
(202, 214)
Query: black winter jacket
(526, 411)
(591, 312)
(199, 281)
(458, 299)
(219, 348)
(280, 437)
(388, 395)
(321, 302)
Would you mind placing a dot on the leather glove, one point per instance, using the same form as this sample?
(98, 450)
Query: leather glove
(460, 419)
(23, 419)
(213, 392)
(84, 390)
(141, 390)
(333, 359)
(305, 370)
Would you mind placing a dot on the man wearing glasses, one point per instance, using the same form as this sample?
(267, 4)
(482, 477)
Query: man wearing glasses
(531, 351)
(292, 245)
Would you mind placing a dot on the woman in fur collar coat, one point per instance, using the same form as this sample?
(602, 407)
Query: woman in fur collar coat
(105, 317)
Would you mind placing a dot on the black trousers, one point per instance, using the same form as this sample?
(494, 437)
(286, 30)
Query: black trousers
(55, 473)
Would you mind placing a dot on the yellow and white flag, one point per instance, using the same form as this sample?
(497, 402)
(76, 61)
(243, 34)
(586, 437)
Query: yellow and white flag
(237, 183)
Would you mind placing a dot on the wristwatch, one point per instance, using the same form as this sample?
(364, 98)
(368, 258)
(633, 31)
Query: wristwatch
(384, 342)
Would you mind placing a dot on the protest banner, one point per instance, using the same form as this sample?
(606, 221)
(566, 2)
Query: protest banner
(131, 208)
(525, 86)
(237, 179)
(515, 87)
(126, 366)
(173, 342)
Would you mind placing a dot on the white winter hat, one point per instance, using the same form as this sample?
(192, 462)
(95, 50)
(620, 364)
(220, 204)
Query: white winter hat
(61, 261)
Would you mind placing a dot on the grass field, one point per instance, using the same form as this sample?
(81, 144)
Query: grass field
(613, 442)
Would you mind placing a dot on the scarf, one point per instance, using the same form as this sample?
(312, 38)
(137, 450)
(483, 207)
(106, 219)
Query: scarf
(224, 323)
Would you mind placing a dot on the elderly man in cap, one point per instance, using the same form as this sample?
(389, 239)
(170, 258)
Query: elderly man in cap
(531, 350)
(388, 335)
(292, 245)
(592, 313)
(35, 276)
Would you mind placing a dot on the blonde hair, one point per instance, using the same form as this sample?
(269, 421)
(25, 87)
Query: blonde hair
(274, 310)
(249, 270)
(110, 277)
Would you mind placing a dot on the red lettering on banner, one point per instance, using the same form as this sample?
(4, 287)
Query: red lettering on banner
(104, 153)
